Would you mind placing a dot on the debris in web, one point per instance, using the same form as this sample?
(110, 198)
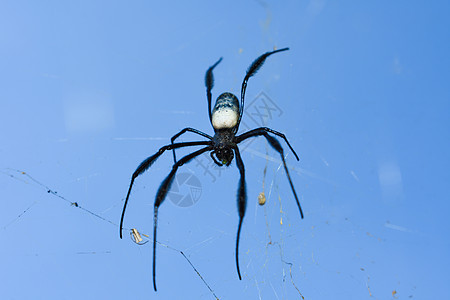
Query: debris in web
(55, 193)
(262, 195)
(135, 235)
(270, 242)
(261, 199)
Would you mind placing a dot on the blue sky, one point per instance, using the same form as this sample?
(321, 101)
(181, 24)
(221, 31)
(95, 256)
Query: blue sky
(91, 88)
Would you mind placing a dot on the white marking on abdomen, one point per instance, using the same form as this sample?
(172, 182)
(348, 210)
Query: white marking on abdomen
(226, 112)
(224, 118)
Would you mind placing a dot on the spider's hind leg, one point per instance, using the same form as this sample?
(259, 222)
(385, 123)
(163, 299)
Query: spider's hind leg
(276, 145)
(262, 131)
(242, 203)
(161, 195)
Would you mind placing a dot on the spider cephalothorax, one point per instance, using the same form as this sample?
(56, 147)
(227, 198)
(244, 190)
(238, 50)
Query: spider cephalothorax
(223, 154)
(225, 118)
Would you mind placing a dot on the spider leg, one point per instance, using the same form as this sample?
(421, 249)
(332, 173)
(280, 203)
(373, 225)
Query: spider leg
(254, 67)
(209, 83)
(242, 203)
(214, 159)
(147, 163)
(161, 195)
(262, 131)
(184, 131)
(276, 145)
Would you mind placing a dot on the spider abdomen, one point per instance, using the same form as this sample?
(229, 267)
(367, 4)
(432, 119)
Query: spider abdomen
(225, 113)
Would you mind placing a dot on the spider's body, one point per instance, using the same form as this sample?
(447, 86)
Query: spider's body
(223, 147)
(225, 114)
(225, 118)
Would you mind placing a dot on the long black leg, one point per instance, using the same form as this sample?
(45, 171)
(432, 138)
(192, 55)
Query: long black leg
(161, 195)
(209, 83)
(242, 203)
(276, 145)
(261, 131)
(147, 163)
(184, 131)
(254, 67)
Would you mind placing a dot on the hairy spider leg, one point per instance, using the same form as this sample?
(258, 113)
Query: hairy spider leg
(260, 131)
(193, 130)
(147, 163)
(276, 145)
(161, 195)
(242, 203)
(254, 67)
(209, 83)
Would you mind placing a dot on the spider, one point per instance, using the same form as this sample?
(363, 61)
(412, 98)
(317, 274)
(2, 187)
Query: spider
(225, 118)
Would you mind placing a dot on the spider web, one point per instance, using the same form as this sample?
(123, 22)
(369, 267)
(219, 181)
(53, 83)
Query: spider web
(280, 254)
(278, 251)
(27, 179)
(267, 228)
(267, 256)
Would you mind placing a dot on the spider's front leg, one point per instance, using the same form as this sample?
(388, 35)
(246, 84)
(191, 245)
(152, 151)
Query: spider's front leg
(193, 130)
(254, 67)
(214, 159)
(146, 164)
